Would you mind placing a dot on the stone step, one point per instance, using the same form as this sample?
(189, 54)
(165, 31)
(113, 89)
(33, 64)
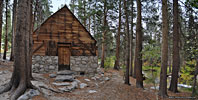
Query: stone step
(63, 78)
(61, 84)
(65, 72)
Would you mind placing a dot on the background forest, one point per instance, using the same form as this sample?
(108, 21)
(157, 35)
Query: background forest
(113, 23)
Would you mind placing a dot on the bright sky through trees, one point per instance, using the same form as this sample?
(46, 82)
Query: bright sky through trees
(57, 4)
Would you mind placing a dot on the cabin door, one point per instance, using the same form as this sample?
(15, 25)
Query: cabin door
(64, 58)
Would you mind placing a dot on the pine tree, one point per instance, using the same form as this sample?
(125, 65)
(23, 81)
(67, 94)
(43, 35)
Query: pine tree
(176, 56)
(138, 50)
(116, 65)
(164, 52)
(6, 32)
(1, 21)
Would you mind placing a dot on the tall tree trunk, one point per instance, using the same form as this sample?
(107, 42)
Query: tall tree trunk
(195, 78)
(117, 61)
(32, 18)
(164, 52)
(84, 12)
(20, 79)
(169, 59)
(104, 33)
(13, 29)
(131, 47)
(127, 81)
(6, 33)
(138, 50)
(176, 57)
(1, 21)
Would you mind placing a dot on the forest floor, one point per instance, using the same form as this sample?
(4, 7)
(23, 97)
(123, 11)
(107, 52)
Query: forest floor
(113, 89)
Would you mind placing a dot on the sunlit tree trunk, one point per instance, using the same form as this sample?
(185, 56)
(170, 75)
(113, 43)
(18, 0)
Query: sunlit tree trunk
(104, 33)
(117, 61)
(164, 52)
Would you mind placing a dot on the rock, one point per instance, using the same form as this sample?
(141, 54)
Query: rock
(65, 72)
(74, 84)
(95, 65)
(93, 78)
(83, 85)
(84, 62)
(92, 91)
(62, 78)
(87, 80)
(46, 92)
(77, 81)
(39, 84)
(106, 78)
(1, 72)
(41, 70)
(52, 75)
(61, 84)
(29, 94)
(58, 98)
(157, 87)
(51, 67)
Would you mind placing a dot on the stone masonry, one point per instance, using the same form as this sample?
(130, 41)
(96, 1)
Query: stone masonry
(81, 64)
(42, 64)
(85, 64)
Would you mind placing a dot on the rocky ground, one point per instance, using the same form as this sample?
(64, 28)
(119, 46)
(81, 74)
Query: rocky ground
(66, 85)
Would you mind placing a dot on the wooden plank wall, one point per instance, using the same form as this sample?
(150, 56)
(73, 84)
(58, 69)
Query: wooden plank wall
(65, 28)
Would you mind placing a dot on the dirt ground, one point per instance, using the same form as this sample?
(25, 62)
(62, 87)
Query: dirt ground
(114, 89)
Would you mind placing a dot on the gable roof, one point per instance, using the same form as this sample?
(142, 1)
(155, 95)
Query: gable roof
(64, 8)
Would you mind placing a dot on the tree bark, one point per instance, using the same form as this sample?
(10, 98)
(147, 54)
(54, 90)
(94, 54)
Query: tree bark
(1, 21)
(176, 56)
(169, 59)
(195, 78)
(6, 32)
(104, 33)
(131, 47)
(138, 50)
(32, 19)
(117, 61)
(164, 52)
(20, 79)
(13, 29)
(127, 81)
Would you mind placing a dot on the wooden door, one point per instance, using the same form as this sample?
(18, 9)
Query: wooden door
(64, 58)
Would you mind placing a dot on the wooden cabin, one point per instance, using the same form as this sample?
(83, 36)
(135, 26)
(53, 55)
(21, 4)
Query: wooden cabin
(63, 35)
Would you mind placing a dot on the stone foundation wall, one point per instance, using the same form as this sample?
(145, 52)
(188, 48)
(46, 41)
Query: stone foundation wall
(42, 64)
(85, 64)
(81, 64)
